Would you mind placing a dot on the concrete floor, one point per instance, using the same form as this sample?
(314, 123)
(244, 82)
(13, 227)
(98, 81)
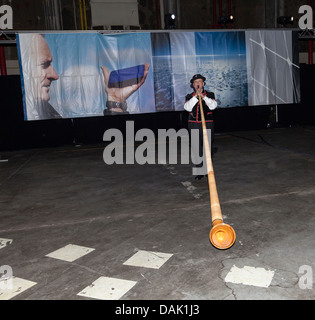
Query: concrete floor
(55, 197)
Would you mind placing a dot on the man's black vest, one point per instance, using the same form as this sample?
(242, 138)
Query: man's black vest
(194, 115)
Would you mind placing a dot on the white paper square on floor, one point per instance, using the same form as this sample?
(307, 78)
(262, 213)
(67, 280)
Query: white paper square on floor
(14, 286)
(70, 252)
(4, 242)
(148, 259)
(250, 276)
(106, 288)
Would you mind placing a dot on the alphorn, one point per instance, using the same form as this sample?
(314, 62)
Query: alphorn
(222, 236)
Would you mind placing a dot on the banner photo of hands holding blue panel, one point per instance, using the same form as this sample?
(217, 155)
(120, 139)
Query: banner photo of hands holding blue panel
(69, 75)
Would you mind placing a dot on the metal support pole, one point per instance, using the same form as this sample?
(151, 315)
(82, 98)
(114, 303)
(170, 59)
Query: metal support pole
(157, 19)
(162, 14)
(3, 67)
(310, 44)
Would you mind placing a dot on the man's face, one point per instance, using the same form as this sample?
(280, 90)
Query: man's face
(44, 72)
(198, 84)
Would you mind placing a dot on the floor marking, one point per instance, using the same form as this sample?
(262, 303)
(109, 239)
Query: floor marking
(148, 259)
(171, 169)
(189, 186)
(18, 169)
(250, 276)
(191, 189)
(105, 288)
(4, 242)
(13, 287)
(268, 196)
(70, 252)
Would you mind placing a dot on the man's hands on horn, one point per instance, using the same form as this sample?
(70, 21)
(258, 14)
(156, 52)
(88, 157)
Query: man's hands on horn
(199, 92)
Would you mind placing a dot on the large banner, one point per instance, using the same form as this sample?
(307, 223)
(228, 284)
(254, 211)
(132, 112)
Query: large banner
(68, 75)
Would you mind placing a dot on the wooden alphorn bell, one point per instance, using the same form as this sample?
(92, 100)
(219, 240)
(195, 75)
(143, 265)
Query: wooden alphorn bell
(222, 236)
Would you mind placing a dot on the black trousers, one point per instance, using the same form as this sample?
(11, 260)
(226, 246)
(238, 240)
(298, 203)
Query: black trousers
(197, 145)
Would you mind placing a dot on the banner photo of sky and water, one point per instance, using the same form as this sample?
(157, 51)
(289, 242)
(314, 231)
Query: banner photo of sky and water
(70, 75)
